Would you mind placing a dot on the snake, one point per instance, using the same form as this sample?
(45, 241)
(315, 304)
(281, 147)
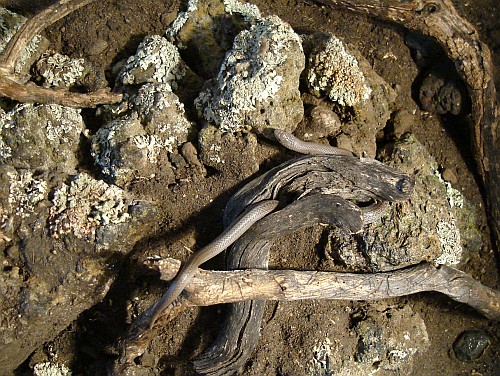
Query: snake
(326, 186)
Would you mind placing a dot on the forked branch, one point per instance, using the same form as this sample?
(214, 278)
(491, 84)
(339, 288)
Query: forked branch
(14, 86)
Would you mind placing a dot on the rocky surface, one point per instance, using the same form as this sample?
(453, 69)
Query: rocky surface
(81, 190)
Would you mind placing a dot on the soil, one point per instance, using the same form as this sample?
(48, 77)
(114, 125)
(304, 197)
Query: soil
(192, 209)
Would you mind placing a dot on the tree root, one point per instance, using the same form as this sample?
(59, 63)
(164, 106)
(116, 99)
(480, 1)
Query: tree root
(217, 287)
(16, 87)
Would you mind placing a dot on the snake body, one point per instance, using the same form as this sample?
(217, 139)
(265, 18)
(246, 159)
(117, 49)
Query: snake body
(223, 241)
(322, 187)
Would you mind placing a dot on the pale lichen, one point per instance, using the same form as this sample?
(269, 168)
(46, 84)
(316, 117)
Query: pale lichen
(59, 70)
(257, 85)
(84, 205)
(334, 71)
(51, 369)
(156, 60)
(250, 12)
(25, 192)
(181, 18)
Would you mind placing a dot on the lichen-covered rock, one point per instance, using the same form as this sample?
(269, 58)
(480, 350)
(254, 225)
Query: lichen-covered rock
(58, 70)
(334, 71)
(387, 343)
(156, 61)
(136, 146)
(85, 205)
(10, 22)
(258, 84)
(44, 137)
(434, 224)
(61, 240)
(360, 95)
(208, 28)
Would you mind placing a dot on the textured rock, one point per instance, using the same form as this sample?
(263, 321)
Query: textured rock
(218, 150)
(434, 225)
(258, 84)
(387, 343)
(58, 70)
(156, 61)
(470, 345)
(44, 137)
(136, 146)
(359, 94)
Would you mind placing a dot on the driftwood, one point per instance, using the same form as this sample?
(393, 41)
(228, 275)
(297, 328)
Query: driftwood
(14, 86)
(216, 287)
(339, 178)
(472, 59)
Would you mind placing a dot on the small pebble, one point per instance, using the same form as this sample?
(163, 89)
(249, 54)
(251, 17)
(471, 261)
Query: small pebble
(98, 47)
(470, 345)
(449, 176)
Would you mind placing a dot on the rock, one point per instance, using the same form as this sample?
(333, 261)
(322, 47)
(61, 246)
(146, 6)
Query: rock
(156, 61)
(470, 345)
(434, 224)
(10, 22)
(334, 71)
(98, 47)
(257, 86)
(442, 93)
(209, 28)
(319, 122)
(450, 176)
(225, 152)
(359, 94)
(402, 122)
(64, 231)
(58, 70)
(44, 137)
(388, 341)
(136, 146)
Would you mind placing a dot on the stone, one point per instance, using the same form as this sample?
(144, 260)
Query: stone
(257, 87)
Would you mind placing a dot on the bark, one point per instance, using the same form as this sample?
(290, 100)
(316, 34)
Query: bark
(217, 287)
(16, 87)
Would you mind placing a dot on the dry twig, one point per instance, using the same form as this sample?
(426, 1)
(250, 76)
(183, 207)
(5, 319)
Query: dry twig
(16, 87)
(216, 287)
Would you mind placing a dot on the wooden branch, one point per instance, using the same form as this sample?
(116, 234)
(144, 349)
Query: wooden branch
(216, 287)
(14, 86)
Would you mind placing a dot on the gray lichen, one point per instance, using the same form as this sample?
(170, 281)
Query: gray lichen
(42, 137)
(334, 71)
(24, 189)
(59, 70)
(156, 61)
(51, 369)
(258, 83)
(84, 205)
(181, 18)
(249, 11)
(136, 146)
(10, 22)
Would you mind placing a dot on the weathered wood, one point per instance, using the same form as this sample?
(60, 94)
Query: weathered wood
(472, 59)
(216, 287)
(344, 177)
(16, 87)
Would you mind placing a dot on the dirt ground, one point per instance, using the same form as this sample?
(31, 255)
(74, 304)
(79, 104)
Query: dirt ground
(192, 209)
